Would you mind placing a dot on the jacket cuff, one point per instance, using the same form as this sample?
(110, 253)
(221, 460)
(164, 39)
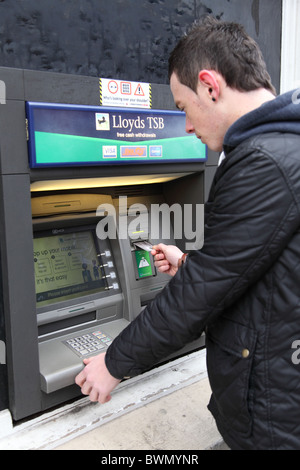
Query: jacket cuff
(109, 362)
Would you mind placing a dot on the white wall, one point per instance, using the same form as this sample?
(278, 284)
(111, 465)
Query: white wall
(290, 49)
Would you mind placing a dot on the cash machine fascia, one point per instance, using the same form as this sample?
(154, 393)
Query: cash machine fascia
(30, 332)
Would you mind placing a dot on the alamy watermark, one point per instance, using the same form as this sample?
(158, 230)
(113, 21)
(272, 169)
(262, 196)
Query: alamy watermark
(2, 92)
(296, 353)
(158, 222)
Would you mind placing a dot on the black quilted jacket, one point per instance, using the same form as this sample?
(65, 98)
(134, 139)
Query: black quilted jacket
(242, 288)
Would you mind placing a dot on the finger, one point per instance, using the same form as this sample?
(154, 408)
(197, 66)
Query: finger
(164, 268)
(104, 399)
(160, 263)
(80, 379)
(108, 398)
(159, 256)
(86, 388)
(94, 395)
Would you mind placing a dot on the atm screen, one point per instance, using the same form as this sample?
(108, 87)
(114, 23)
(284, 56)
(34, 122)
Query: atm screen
(67, 265)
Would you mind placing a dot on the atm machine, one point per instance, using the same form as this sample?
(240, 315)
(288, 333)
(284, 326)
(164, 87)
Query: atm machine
(81, 202)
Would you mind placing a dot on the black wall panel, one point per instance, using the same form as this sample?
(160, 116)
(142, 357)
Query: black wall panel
(123, 39)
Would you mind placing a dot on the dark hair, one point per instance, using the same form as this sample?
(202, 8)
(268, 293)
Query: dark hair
(224, 47)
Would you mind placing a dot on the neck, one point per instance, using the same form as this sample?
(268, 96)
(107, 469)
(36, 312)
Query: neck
(244, 102)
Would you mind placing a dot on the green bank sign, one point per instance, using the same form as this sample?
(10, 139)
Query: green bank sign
(68, 135)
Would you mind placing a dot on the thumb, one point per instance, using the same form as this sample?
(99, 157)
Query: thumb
(87, 360)
(160, 247)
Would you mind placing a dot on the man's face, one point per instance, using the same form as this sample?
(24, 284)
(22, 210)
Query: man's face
(201, 114)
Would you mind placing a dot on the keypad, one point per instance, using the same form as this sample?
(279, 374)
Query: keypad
(89, 343)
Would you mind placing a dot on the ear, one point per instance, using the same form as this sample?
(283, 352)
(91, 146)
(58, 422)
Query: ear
(209, 80)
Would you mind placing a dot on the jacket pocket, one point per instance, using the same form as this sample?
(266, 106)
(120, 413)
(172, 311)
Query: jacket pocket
(230, 352)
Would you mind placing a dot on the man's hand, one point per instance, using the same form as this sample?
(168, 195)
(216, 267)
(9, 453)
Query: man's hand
(166, 258)
(95, 379)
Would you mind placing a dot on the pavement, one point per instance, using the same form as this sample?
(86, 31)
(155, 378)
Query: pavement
(164, 409)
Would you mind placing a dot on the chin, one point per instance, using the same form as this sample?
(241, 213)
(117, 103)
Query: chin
(215, 147)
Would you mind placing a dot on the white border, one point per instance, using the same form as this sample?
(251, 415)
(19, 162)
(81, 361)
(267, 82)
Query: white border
(290, 47)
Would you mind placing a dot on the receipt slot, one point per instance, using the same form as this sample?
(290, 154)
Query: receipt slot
(73, 277)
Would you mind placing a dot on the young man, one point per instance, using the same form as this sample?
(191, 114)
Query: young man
(242, 287)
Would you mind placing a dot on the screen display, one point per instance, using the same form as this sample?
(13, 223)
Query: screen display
(66, 266)
(143, 263)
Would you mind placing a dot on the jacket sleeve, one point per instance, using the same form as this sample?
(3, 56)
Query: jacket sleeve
(250, 217)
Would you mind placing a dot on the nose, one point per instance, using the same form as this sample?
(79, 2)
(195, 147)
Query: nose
(189, 128)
